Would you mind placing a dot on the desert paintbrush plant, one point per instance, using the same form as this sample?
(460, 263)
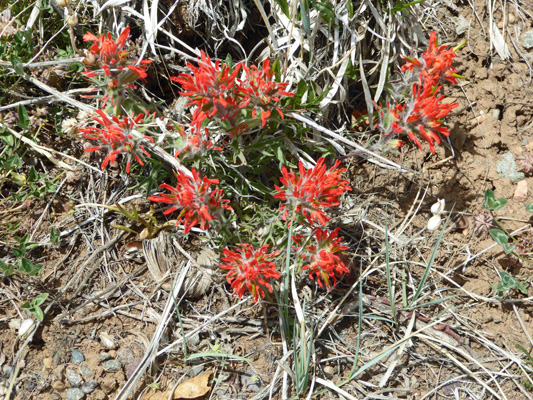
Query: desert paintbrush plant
(232, 101)
(414, 107)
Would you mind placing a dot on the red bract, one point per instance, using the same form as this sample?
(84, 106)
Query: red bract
(311, 191)
(199, 203)
(322, 256)
(117, 136)
(110, 51)
(260, 89)
(422, 113)
(217, 92)
(435, 65)
(112, 58)
(211, 89)
(250, 270)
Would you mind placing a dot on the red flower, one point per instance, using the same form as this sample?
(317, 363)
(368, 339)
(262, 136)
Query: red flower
(250, 269)
(424, 114)
(197, 201)
(311, 191)
(211, 89)
(436, 64)
(262, 90)
(109, 50)
(217, 92)
(113, 59)
(323, 256)
(116, 136)
(194, 143)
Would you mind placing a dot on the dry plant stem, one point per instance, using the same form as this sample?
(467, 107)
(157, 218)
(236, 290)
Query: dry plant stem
(38, 223)
(40, 149)
(429, 341)
(522, 325)
(372, 156)
(150, 354)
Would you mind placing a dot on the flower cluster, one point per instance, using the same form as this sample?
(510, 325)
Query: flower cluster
(418, 110)
(250, 269)
(195, 198)
(109, 59)
(116, 136)
(218, 93)
(311, 191)
(322, 255)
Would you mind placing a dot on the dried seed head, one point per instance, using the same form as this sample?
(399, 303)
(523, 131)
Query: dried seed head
(62, 3)
(482, 222)
(72, 20)
(525, 162)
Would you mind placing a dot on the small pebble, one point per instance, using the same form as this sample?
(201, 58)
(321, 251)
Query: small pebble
(107, 340)
(77, 357)
(75, 394)
(112, 366)
(7, 370)
(74, 378)
(125, 356)
(86, 371)
(132, 366)
(104, 357)
(15, 324)
(526, 39)
(520, 192)
(89, 387)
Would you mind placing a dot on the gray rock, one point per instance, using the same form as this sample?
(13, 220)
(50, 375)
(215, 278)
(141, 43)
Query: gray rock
(86, 371)
(251, 381)
(112, 366)
(461, 25)
(125, 356)
(74, 378)
(104, 357)
(75, 394)
(77, 357)
(506, 168)
(526, 39)
(7, 370)
(88, 387)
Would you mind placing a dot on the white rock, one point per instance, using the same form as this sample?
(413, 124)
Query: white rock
(107, 340)
(15, 323)
(434, 222)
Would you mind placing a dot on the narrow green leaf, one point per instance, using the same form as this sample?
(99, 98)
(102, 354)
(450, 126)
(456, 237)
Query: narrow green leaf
(24, 118)
(529, 208)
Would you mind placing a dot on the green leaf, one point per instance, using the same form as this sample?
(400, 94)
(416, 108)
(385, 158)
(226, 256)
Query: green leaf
(16, 62)
(24, 118)
(284, 6)
(40, 299)
(33, 176)
(492, 204)
(38, 313)
(304, 12)
(499, 236)
(54, 235)
(529, 208)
